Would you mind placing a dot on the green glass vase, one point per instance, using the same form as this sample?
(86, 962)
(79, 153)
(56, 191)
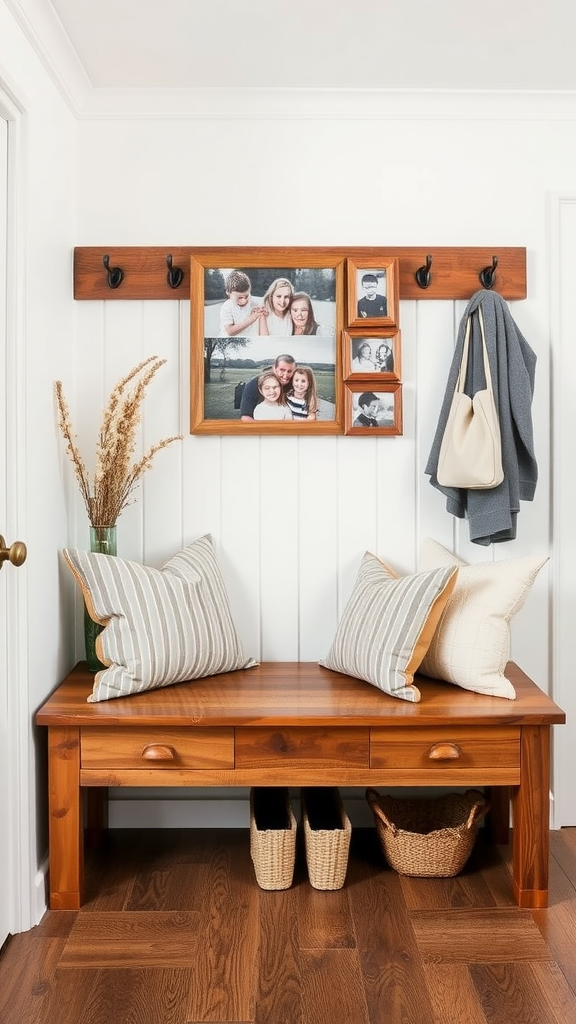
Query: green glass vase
(103, 540)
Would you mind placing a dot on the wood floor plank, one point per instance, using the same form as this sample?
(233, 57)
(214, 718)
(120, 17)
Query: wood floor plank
(279, 994)
(478, 936)
(452, 994)
(556, 991)
(56, 924)
(228, 936)
(332, 988)
(177, 886)
(26, 979)
(394, 981)
(325, 919)
(132, 939)
(148, 995)
(557, 924)
(563, 848)
(512, 992)
(176, 931)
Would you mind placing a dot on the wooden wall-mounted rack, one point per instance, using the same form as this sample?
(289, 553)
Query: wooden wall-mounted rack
(426, 272)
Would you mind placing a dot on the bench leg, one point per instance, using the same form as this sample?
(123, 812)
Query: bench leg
(531, 819)
(66, 837)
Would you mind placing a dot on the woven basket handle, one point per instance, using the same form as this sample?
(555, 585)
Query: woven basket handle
(373, 798)
(478, 809)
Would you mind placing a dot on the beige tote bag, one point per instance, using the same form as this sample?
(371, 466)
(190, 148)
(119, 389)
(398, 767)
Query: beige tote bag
(471, 449)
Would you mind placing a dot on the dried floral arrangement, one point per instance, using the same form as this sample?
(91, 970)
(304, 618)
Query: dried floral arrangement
(116, 475)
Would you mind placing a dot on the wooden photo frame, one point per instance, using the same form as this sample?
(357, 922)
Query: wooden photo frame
(266, 310)
(374, 355)
(372, 411)
(372, 293)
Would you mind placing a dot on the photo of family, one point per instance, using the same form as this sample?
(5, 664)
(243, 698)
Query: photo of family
(376, 354)
(268, 301)
(264, 380)
(370, 411)
(269, 344)
(373, 293)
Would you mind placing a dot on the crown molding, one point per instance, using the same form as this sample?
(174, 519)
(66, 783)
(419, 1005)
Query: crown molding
(328, 104)
(45, 33)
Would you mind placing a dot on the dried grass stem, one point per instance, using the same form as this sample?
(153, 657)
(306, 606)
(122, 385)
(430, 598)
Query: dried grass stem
(116, 474)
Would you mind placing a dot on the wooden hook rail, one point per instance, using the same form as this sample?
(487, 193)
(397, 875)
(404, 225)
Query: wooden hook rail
(426, 272)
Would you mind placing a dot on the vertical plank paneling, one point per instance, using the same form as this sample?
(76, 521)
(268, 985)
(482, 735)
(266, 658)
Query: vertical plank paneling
(87, 402)
(240, 533)
(124, 349)
(161, 488)
(435, 345)
(357, 508)
(318, 544)
(278, 577)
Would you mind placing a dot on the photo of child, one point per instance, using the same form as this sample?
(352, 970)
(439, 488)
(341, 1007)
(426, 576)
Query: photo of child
(372, 292)
(302, 398)
(379, 411)
(240, 313)
(273, 405)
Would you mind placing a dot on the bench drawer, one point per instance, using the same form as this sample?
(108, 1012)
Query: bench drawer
(443, 747)
(160, 748)
(306, 747)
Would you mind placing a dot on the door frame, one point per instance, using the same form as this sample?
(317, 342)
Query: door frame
(562, 262)
(23, 912)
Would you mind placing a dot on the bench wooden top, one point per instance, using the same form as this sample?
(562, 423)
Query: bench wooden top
(295, 693)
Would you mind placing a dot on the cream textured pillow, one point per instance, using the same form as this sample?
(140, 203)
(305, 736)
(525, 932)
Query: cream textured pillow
(471, 644)
(387, 625)
(161, 626)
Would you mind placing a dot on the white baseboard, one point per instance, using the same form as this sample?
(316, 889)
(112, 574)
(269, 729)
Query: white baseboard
(40, 894)
(218, 808)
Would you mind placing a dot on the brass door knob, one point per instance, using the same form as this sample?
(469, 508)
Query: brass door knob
(16, 553)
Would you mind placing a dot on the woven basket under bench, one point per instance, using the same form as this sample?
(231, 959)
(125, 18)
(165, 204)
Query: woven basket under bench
(430, 838)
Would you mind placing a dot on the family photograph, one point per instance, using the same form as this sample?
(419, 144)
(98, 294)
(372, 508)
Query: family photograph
(269, 344)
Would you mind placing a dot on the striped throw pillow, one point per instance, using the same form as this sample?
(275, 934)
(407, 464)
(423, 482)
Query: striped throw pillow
(387, 625)
(161, 626)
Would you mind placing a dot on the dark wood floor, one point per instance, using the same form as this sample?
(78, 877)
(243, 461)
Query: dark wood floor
(175, 929)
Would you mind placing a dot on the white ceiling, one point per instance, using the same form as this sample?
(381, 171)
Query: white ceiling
(327, 44)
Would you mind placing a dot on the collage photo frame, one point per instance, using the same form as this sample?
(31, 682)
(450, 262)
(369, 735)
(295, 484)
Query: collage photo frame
(286, 341)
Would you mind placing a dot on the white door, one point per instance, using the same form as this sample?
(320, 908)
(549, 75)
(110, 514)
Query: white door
(10, 589)
(563, 308)
(5, 880)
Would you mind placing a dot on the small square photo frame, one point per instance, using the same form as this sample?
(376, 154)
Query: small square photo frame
(372, 411)
(372, 293)
(373, 355)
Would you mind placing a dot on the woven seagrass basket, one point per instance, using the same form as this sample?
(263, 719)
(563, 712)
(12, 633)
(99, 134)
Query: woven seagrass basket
(428, 838)
(272, 836)
(327, 833)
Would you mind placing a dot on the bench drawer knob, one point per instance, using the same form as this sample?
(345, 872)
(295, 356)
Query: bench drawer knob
(158, 752)
(444, 752)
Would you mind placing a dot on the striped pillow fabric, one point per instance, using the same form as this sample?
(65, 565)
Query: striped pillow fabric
(161, 626)
(388, 624)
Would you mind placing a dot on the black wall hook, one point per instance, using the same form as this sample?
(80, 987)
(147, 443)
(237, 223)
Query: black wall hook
(422, 275)
(175, 275)
(115, 274)
(488, 274)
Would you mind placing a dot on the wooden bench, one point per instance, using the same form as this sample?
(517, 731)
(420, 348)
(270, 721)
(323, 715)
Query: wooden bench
(296, 724)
